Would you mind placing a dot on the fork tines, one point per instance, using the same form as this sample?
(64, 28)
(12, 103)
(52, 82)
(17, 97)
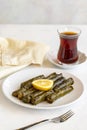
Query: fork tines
(66, 116)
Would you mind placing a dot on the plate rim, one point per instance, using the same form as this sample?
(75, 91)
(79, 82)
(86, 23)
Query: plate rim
(42, 107)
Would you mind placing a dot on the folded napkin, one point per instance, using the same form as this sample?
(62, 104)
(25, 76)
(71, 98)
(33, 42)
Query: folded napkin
(7, 70)
(16, 52)
(19, 53)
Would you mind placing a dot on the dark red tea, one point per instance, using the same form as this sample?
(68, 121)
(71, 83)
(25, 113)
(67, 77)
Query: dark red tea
(68, 47)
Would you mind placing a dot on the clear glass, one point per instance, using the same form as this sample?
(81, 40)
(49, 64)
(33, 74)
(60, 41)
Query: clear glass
(68, 52)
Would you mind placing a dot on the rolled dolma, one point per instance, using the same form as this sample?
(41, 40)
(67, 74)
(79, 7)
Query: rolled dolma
(65, 83)
(54, 96)
(15, 93)
(28, 94)
(54, 76)
(26, 99)
(28, 88)
(57, 80)
(18, 92)
(27, 83)
(37, 93)
(38, 77)
(40, 98)
(21, 94)
(51, 76)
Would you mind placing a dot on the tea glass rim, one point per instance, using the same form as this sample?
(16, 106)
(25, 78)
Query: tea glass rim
(61, 31)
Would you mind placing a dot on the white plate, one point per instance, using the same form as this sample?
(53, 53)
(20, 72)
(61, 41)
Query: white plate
(13, 82)
(52, 57)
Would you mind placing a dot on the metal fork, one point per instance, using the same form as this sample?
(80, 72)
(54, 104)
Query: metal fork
(58, 119)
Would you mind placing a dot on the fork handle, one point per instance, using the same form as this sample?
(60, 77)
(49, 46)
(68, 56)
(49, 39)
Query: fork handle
(28, 126)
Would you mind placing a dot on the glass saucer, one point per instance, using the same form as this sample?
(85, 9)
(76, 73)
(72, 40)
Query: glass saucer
(52, 57)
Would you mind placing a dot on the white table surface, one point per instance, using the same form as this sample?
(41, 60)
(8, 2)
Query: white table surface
(13, 116)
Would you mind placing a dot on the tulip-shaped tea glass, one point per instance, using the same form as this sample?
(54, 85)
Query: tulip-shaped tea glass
(68, 52)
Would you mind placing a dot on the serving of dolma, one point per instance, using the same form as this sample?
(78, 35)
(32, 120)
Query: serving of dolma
(28, 94)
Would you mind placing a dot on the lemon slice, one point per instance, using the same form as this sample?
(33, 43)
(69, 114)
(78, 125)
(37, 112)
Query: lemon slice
(42, 84)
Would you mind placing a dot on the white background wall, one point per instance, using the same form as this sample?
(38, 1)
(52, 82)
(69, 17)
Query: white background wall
(43, 11)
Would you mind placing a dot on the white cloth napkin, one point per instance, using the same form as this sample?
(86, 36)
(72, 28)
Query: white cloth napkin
(17, 54)
(7, 70)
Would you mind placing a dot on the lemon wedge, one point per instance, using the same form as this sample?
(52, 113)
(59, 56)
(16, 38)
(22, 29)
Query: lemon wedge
(42, 84)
